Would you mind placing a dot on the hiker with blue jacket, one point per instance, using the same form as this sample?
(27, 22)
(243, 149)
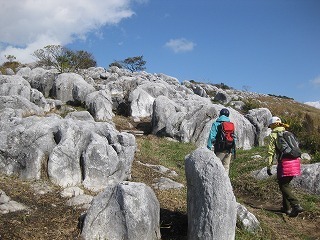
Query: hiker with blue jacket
(222, 145)
(288, 167)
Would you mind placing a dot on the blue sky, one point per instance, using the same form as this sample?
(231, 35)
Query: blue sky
(264, 46)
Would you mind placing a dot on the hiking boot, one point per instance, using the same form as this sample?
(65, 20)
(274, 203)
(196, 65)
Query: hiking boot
(296, 209)
(286, 211)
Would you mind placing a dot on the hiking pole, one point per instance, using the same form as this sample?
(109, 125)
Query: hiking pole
(234, 152)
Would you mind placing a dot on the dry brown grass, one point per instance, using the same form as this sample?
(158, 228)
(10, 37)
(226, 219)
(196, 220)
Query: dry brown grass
(47, 217)
(290, 108)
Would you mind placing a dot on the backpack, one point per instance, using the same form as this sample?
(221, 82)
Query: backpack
(225, 136)
(288, 145)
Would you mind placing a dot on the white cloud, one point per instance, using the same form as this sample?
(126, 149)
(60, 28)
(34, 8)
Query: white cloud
(180, 45)
(313, 104)
(27, 25)
(316, 81)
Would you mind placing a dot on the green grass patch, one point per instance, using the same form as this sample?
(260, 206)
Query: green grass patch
(161, 151)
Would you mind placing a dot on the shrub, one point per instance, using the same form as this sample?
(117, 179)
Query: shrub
(63, 59)
(222, 86)
(11, 63)
(249, 104)
(311, 142)
(280, 96)
(316, 157)
(303, 126)
(294, 121)
(133, 64)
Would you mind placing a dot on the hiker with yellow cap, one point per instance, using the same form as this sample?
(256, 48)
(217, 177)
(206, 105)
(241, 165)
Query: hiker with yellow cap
(284, 147)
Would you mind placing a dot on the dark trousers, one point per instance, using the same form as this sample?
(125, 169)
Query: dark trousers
(288, 198)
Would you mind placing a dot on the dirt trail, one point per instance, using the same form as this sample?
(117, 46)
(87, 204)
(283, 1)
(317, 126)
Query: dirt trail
(305, 226)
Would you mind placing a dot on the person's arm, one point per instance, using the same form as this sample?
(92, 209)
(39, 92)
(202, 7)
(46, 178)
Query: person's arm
(271, 151)
(212, 136)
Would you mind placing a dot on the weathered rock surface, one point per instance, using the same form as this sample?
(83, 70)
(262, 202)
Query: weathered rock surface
(192, 120)
(259, 118)
(246, 219)
(7, 205)
(127, 211)
(70, 152)
(183, 112)
(71, 88)
(164, 183)
(212, 207)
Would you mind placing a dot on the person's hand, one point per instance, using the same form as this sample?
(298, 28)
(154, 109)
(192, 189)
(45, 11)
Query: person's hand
(269, 171)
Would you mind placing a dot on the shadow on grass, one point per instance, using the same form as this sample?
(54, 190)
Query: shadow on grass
(276, 210)
(174, 225)
(146, 127)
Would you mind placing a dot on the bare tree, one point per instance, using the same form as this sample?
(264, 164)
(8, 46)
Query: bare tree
(10, 58)
(246, 88)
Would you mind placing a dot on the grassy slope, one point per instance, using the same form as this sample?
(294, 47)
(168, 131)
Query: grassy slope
(261, 197)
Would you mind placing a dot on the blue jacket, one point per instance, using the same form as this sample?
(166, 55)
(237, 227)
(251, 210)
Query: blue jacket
(214, 129)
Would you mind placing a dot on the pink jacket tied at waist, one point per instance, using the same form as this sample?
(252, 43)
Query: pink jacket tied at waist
(290, 167)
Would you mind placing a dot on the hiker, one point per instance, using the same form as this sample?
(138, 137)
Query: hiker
(287, 168)
(222, 147)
